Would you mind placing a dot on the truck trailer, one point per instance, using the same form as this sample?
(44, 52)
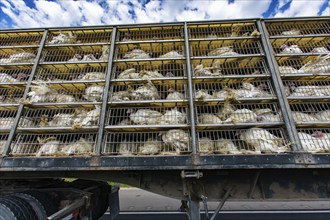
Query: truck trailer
(225, 110)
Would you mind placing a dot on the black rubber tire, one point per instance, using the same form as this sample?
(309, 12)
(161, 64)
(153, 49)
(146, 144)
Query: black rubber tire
(45, 200)
(8, 211)
(23, 210)
(35, 203)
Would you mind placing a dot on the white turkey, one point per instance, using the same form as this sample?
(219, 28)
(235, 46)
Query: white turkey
(125, 122)
(171, 54)
(94, 93)
(19, 58)
(309, 91)
(105, 53)
(225, 146)
(323, 140)
(145, 92)
(202, 95)
(75, 58)
(82, 146)
(63, 38)
(241, 116)
(64, 98)
(20, 148)
(310, 143)
(127, 148)
(150, 147)
(61, 120)
(323, 115)
(320, 50)
(287, 70)
(41, 92)
(128, 74)
(5, 78)
(93, 76)
(205, 145)
(225, 93)
(303, 117)
(318, 65)
(267, 115)
(223, 51)
(145, 117)
(173, 116)
(174, 95)
(88, 57)
(48, 146)
(2, 146)
(121, 96)
(207, 71)
(6, 123)
(263, 141)
(212, 35)
(248, 90)
(146, 74)
(177, 139)
(225, 111)
(291, 32)
(293, 49)
(209, 119)
(89, 118)
(136, 54)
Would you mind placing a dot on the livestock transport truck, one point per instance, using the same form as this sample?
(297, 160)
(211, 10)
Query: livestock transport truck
(230, 111)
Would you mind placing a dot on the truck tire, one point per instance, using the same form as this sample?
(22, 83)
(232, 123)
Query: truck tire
(45, 200)
(35, 203)
(8, 211)
(21, 209)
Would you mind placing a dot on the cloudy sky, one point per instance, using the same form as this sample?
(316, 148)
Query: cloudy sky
(47, 13)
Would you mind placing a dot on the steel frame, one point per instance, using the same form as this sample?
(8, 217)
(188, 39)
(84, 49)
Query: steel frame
(296, 159)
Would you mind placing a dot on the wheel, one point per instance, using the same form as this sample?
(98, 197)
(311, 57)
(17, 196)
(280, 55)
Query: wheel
(8, 211)
(45, 200)
(35, 203)
(20, 208)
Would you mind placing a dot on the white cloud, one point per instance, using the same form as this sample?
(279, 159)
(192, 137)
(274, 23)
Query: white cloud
(83, 12)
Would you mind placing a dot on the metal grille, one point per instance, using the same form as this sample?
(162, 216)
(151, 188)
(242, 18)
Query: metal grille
(170, 50)
(147, 91)
(58, 93)
(7, 119)
(9, 76)
(236, 114)
(150, 33)
(76, 54)
(20, 38)
(305, 65)
(11, 95)
(299, 47)
(75, 118)
(225, 48)
(311, 112)
(73, 74)
(246, 90)
(3, 141)
(315, 140)
(243, 141)
(17, 55)
(308, 88)
(171, 142)
(147, 71)
(84, 36)
(221, 30)
(298, 28)
(53, 144)
(144, 116)
(236, 68)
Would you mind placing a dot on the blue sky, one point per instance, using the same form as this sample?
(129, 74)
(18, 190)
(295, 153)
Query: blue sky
(48, 13)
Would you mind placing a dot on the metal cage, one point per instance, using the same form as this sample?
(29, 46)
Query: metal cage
(17, 55)
(307, 89)
(20, 38)
(14, 75)
(315, 140)
(316, 113)
(11, 95)
(7, 118)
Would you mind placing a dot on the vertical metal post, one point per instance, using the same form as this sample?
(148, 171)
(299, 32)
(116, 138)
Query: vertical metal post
(194, 210)
(190, 93)
(27, 88)
(279, 88)
(98, 147)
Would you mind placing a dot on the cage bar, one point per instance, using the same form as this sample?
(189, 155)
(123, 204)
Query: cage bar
(215, 30)
(171, 142)
(11, 95)
(150, 33)
(244, 141)
(84, 36)
(68, 144)
(20, 38)
(290, 28)
(14, 75)
(3, 141)
(7, 118)
(19, 55)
